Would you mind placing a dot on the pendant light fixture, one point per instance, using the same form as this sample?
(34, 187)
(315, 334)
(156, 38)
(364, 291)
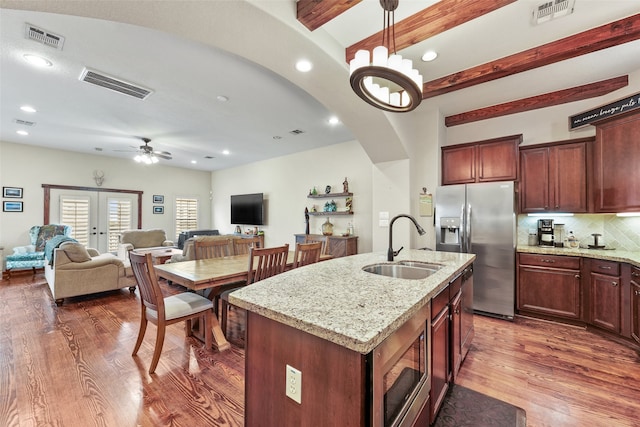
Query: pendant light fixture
(385, 81)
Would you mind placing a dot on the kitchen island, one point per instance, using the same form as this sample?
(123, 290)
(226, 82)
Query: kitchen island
(323, 320)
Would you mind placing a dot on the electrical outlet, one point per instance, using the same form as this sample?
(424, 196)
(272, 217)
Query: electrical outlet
(294, 384)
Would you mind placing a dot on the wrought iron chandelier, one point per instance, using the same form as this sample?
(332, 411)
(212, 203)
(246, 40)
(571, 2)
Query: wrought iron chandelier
(388, 82)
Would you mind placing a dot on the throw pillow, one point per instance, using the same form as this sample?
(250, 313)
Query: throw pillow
(46, 232)
(76, 252)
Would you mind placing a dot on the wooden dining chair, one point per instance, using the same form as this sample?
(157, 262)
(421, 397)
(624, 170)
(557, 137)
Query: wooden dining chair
(163, 311)
(211, 248)
(241, 246)
(263, 263)
(313, 239)
(307, 253)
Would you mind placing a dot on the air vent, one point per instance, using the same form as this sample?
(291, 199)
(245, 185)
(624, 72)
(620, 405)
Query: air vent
(43, 36)
(209, 157)
(118, 85)
(296, 132)
(24, 122)
(553, 9)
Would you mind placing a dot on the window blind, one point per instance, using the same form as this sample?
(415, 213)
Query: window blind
(120, 211)
(74, 211)
(186, 215)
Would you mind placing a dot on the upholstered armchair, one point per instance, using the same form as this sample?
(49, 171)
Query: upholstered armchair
(77, 270)
(33, 255)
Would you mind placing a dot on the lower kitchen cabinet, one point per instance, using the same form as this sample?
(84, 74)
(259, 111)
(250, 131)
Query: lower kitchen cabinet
(549, 285)
(605, 295)
(337, 246)
(635, 304)
(440, 348)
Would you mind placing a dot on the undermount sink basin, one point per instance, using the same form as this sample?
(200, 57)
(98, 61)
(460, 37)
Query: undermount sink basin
(412, 270)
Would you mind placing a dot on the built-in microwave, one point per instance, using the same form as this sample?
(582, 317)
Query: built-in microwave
(399, 374)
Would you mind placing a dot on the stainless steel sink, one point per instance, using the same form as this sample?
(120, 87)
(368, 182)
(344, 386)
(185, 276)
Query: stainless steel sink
(412, 270)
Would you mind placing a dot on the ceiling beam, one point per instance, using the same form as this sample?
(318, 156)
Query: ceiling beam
(315, 13)
(612, 34)
(573, 94)
(440, 17)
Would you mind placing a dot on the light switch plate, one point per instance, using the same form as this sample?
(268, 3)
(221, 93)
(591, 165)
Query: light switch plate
(294, 384)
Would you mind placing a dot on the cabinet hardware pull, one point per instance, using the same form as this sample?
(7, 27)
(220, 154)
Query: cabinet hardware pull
(577, 276)
(604, 267)
(548, 261)
(614, 283)
(637, 293)
(634, 274)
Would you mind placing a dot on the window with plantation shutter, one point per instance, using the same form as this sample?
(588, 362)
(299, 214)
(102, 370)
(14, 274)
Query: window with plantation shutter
(186, 215)
(74, 211)
(119, 217)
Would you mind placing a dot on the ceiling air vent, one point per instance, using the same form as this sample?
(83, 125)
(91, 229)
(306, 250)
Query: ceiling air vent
(24, 122)
(118, 85)
(551, 9)
(43, 36)
(296, 132)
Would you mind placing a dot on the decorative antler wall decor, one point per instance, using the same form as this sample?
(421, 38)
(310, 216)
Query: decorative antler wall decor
(98, 177)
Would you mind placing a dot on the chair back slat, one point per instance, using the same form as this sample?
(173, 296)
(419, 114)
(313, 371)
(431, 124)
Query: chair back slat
(210, 248)
(241, 246)
(323, 240)
(307, 253)
(266, 262)
(150, 292)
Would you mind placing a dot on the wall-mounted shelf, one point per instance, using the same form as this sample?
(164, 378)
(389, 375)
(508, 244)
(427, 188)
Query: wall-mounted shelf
(330, 213)
(329, 195)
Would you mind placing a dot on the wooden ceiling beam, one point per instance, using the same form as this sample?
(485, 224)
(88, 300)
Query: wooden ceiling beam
(315, 13)
(612, 34)
(440, 17)
(573, 94)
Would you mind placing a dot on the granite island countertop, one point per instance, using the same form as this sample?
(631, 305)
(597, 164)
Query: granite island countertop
(337, 301)
(630, 257)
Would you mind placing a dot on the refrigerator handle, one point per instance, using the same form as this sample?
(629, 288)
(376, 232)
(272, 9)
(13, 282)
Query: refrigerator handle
(462, 230)
(468, 229)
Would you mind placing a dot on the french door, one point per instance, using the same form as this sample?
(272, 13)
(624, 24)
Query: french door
(96, 217)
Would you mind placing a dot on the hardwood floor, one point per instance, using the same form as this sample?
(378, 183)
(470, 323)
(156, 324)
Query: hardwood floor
(72, 366)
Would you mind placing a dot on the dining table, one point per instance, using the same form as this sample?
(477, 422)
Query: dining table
(213, 275)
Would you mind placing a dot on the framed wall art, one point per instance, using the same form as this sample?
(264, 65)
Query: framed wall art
(13, 192)
(158, 199)
(158, 209)
(11, 206)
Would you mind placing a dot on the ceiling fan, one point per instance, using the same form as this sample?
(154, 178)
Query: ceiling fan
(146, 153)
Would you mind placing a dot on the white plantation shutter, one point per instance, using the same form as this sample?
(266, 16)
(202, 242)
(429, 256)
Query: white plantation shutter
(74, 211)
(120, 211)
(186, 215)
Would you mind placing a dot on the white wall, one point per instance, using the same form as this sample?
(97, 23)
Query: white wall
(29, 167)
(286, 181)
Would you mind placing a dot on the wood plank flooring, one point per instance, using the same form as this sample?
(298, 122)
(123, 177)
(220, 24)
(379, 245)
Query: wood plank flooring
(72, 366)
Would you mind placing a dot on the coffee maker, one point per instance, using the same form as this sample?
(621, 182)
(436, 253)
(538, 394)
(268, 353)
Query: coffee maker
(545, 232)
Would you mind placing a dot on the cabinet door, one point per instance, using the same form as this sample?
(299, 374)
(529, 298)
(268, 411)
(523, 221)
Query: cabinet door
(459, 165)
(635, 303)
(534, 185)
(498, 161)
(467, 330)
(605, 302)
(554, 292)
(568, 178)
(456, 334)
(616, 159)
(439, 360)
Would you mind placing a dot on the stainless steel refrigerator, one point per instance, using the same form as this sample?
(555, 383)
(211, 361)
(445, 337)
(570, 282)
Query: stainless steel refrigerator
(481, 219)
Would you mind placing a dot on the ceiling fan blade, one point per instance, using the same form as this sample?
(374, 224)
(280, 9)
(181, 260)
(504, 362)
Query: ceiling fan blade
(162, 155)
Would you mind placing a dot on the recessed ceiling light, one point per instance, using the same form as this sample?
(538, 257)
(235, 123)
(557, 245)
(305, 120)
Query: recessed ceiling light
(222, 98)
(225, 152)
(37, 60)
(28, 109)
(22, 132)
(334, 120)
(429, 55)
(193, 162)
(304, 66)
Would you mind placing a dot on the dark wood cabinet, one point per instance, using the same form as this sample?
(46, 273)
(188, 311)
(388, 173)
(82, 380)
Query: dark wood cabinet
(440, 348)
(635, 303)
(549, 285)
(337, 246)
(482, 161)
(554, 177)
(616, 158)
(605, 295)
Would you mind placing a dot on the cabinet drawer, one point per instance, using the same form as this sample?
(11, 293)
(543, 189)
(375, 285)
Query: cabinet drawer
(439, 302)
(610, 268)
(551, 261)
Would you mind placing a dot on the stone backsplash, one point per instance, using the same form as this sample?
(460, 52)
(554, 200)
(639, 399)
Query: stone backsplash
(617, 232)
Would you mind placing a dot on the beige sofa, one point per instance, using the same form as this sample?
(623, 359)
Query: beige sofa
(188, 251)
(137, 239)
(77, 270)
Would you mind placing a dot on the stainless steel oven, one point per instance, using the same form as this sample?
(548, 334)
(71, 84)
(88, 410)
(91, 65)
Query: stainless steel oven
(400, 374)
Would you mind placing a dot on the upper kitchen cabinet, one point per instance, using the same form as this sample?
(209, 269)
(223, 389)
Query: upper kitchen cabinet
(481, 161)
(616, 165)
(553, 177)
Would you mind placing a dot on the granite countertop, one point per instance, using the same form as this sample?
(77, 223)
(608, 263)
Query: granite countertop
(337, 301)
(606, 254)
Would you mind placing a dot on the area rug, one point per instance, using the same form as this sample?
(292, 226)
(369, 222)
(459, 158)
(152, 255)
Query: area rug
(466, 408)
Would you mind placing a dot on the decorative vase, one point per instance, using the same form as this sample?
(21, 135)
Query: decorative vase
(327, 228)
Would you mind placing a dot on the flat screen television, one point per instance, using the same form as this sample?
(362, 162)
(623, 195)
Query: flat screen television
(247, 209)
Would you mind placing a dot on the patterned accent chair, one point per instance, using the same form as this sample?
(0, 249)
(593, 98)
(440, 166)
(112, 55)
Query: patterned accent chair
(33, 255)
